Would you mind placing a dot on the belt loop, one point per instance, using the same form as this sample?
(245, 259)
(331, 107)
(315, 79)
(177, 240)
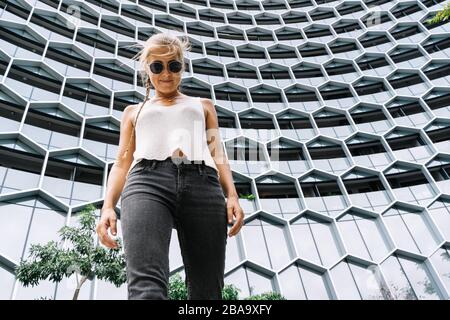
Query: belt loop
(202, 165)
(153, 164)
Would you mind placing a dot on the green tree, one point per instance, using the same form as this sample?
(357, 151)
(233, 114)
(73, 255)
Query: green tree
(230, 292)
(441, 15)
(248, 196)
(177, 288)
(83, 258)
(266, 296)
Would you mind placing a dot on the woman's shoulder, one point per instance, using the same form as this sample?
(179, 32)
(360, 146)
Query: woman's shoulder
(130, 112)
(205, 103)
(208, 103)
(208, 106)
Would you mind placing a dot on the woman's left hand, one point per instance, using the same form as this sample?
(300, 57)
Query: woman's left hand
(234, 209)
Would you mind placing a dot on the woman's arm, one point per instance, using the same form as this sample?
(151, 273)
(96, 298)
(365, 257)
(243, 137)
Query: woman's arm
(117, 175)
(216, 149)
(116, 179)
(226, 178)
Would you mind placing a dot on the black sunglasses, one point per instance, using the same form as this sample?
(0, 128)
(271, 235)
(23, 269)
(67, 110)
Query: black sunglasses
(158, 67)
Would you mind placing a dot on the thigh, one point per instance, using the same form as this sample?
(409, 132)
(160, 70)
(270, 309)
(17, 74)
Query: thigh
(146, 226)
(201, 212)
(201, 223)
(147, 207)
(147, 222)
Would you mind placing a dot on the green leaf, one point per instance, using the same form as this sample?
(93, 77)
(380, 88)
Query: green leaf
(53, 262)
(267, 296)
(441, 15)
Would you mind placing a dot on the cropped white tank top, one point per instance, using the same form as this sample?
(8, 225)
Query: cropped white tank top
(161, 130)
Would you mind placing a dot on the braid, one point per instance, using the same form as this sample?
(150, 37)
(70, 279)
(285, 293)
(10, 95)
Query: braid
(147, 95)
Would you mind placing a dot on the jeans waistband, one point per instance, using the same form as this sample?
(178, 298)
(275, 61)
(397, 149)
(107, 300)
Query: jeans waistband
(199, 165)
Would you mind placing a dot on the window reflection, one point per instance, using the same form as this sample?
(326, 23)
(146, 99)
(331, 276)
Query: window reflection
(354, 281)
(441, 261)
(408, 279)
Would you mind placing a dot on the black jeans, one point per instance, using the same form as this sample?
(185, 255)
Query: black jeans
(160, 195)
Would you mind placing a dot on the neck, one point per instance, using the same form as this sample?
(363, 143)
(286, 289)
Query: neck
(166, 96)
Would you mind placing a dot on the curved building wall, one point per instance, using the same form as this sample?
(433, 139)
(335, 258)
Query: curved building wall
(335, 115)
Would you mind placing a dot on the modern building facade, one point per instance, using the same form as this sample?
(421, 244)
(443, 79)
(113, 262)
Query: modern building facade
(335, 116)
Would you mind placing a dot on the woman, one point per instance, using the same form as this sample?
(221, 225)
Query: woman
(169, 177)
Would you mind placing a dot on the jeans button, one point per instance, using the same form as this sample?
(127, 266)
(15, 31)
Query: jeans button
(177, 161)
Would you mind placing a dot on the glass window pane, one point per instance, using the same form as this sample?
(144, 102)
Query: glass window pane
(44, 290)
(422, 234)
(374, 239)
(276, 245)
(304, 241)
(440, 212)
(233, 253)
(16, 218)
(255, 243)
(368, 281)
(441, 261)
(396, 279)
(291, 284)
(238, 278)
(400, 232)
(326, 242)
(44, 227)
(259, 283)
(6, 283)
(108, 291)
(17, 180)
(420, 279)
(345, 284)
(352, 238)
(314, 284)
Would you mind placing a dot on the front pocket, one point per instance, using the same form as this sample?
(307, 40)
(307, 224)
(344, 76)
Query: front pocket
(212, 177)
(214, 182)
(138, 167)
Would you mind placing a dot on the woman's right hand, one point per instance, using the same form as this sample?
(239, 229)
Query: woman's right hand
(108, 219)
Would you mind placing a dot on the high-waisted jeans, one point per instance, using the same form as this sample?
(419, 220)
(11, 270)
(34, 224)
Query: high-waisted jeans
(160, 195)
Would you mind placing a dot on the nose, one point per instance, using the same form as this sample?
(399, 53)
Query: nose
(166, 71)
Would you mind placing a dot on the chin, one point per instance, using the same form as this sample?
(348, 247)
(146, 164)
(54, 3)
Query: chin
(167, 89)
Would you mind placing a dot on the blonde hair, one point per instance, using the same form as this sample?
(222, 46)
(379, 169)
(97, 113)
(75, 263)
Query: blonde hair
(175, 45)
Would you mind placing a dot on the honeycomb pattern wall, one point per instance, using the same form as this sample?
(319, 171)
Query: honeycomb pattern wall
(335, 116)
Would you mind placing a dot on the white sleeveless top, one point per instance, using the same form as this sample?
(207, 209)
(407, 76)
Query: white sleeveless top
(161, 130)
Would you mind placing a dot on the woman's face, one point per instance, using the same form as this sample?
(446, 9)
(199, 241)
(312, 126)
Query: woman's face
(166, 81)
